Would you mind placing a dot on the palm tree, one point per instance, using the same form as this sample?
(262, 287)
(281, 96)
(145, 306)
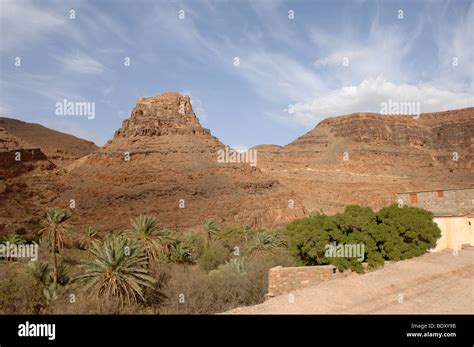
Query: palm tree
(55, 217)
(13, 239)
(264, 243)
(149, 235)
(118, 270)
(193, 242)
(41, 272)
(211, 229)
(90, 234)
(179, 253)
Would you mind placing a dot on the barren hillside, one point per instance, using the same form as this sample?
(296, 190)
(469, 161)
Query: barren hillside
(60, 148)
(163, 162)
(367, 158)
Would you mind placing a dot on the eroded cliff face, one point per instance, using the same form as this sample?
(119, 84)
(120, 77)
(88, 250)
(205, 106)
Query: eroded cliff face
(163, 162)
(367, 158)
(60, 148)
(24, 169)
(166, 114)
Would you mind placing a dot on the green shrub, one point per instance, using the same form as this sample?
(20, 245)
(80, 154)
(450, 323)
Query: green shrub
(243, 281)
(235, 235)
(393, 233)
(407, 232)
(309, 236)
(19, 294)
(213, 256)
(193, 242)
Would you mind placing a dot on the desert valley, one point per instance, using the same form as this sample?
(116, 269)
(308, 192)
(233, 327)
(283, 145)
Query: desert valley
(255, 169)
(163, 162)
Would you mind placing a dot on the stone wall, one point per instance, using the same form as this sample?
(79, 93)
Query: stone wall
(451, 202)
(284, 280)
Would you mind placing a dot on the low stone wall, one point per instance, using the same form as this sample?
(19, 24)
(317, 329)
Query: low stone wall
(284, 280)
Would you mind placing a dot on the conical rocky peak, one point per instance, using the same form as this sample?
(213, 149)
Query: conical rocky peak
(165, 114)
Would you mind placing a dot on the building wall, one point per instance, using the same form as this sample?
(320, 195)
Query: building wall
(455, 232)
(443, 202)
(284, 280)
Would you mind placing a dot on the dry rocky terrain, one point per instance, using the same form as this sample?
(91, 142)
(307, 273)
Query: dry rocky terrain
(433, 283)
(173, 164)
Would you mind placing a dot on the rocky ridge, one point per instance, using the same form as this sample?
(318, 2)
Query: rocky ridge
(163, 162)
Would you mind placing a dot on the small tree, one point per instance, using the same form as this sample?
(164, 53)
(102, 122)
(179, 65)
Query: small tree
(55, 218)
(119, 269)
(211, 228)
(265, 243)
(42, 274)
(149, 235)
(180, 254)
(90, 234)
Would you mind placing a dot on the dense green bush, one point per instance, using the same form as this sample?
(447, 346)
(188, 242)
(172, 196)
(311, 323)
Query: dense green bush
(213, 256)
(393, 233)
(407, 232)
(309, 236)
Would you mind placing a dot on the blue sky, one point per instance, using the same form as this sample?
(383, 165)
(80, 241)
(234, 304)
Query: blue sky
(283, 61)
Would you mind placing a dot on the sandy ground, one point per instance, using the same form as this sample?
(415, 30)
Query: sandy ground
(433, 283)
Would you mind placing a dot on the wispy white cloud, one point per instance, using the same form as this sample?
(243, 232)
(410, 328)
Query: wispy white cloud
(457, 42)
(282, 61)
(338, 58)
(80, 63)
(52, 89)
(23, 22)
(5, 108)
(277, 77)
(369, 94)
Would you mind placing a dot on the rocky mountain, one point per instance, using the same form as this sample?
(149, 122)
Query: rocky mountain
(31, 157)
(163, 162)
(59, 147)
(366, 158)
(18, 156)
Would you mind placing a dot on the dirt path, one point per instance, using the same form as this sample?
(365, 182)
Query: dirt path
(433, 283)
